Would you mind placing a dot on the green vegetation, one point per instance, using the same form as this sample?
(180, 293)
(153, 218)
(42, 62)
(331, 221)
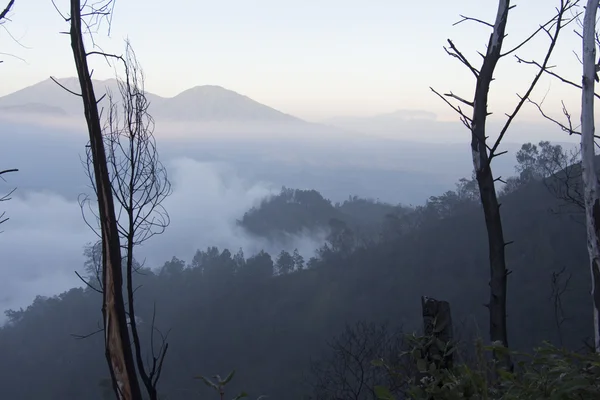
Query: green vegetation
(548, 373)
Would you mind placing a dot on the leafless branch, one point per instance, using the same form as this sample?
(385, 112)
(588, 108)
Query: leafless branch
(465, 18)
(462, 100)
(99, 330)
(559, 24)
(64, 87)
(551, 73)
(568, 5)
(454, 52)
(6, 171)
(87, 283)
(463, 117)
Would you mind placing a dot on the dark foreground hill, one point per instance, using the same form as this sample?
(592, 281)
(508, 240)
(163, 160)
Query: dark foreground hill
(224, 311)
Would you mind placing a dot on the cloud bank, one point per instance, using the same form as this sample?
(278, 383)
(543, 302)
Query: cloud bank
(42, 243)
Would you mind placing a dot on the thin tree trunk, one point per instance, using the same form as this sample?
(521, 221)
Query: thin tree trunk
(485, 181)
(118, 348)
(590, 179)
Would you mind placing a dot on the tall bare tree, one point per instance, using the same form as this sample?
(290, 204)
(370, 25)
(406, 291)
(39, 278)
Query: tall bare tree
(483, 153)
(591, 190)
(140, 184)
(119, 353)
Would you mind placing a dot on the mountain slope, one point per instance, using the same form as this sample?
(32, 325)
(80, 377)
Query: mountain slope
(267, 328)
(201, 103)
(215, 103)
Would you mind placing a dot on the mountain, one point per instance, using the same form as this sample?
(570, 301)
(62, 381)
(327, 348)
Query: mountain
(199, 104)
(215, 103)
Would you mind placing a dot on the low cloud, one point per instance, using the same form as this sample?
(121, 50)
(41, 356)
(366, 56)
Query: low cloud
(43, 241)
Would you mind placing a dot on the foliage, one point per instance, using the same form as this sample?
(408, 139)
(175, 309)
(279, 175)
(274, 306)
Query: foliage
(548, 373)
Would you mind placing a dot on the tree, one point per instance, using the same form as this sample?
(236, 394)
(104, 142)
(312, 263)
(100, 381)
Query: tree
(285, 263)
(139, 184)
(298, 260)
(535, 163)
(119, 354)
(483, 153)
(259, 266)
(590, 179)
(172, 268)
(341, 238)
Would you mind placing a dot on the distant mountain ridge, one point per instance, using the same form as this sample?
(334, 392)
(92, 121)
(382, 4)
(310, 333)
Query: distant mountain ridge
(206, 103)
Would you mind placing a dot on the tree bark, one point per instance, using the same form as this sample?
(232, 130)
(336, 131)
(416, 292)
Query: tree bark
(589, 177)
(118, 349)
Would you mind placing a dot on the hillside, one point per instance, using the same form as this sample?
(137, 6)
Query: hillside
(295, 211)
(226, 311)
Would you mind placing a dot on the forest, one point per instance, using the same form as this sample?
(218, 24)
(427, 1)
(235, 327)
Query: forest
(276, 318)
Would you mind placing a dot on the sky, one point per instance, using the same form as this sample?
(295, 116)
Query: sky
(313, 59)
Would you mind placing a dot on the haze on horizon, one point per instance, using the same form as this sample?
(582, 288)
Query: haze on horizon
(312, 60)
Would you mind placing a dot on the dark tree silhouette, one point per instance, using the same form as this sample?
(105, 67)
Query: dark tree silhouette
(119, 354)
(139, 184)
(483, 153)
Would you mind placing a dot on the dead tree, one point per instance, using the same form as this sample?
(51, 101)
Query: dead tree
(119, 354)
(139, 184)
(591, 190)
(483, 153)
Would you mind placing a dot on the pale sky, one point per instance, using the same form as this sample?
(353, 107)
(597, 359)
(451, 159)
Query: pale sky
(312, 58)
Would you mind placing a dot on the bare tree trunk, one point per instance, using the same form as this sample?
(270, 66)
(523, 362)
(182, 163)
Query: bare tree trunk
(483, 153)
(118, 349)
(485, 180)
(589, 177)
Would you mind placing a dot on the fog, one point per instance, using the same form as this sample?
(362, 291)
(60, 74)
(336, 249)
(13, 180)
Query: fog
(43, 241)
(220, 166)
